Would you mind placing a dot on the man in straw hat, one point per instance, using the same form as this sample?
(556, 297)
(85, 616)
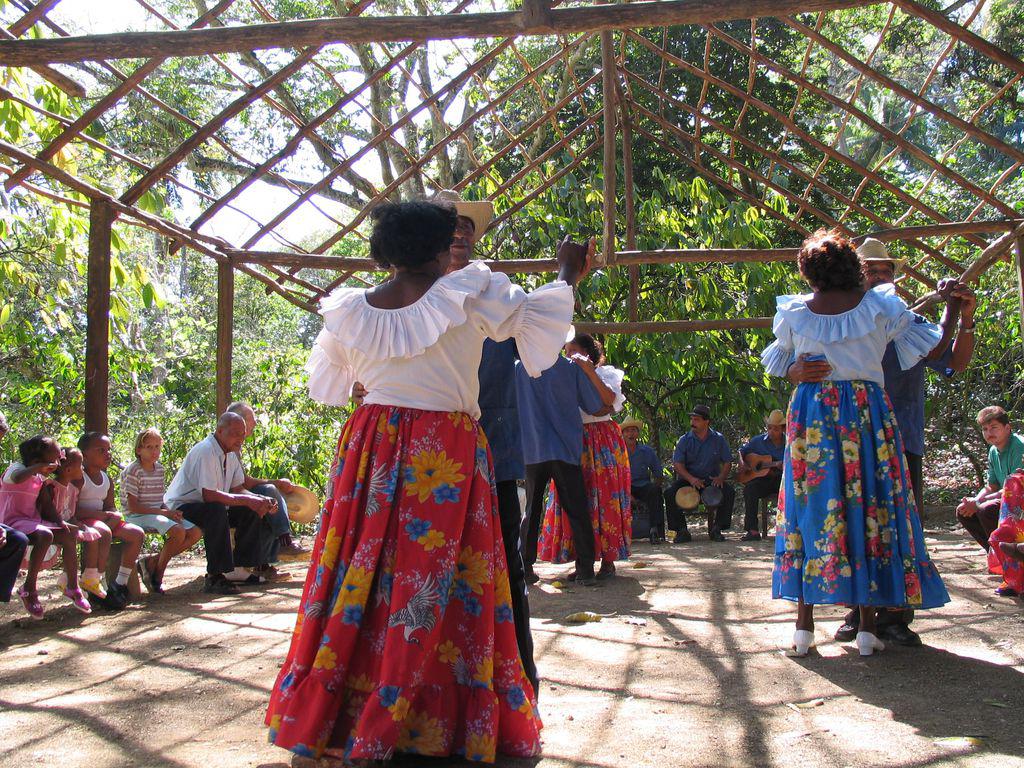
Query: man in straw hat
(761, 459)
(702, 458)
(645, 477)
(906, 390)
(498, 406)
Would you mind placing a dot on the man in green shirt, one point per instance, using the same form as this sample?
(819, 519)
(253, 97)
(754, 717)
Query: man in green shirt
(979, 514)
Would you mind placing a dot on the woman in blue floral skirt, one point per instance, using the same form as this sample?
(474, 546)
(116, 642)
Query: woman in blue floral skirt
(849, 532)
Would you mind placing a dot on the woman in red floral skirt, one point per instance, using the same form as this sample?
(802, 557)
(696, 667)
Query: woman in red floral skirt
(404, 640)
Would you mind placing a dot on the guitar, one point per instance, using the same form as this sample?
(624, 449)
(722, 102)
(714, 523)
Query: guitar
(757, 466)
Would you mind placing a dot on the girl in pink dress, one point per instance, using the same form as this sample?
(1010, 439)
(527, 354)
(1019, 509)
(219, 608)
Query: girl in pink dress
(26, 505)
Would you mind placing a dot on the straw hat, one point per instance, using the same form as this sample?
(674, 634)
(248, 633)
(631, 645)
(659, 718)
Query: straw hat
(776, 419)
(875, 250)
(479, 211)
(629, 421)
(687, 497)
(303, 505)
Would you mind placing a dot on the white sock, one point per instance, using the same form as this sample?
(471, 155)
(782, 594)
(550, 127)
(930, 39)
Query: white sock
(91, 573)
(122, 575)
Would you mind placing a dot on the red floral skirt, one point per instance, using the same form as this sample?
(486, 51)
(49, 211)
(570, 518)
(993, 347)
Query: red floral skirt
(404, 640)
(605, 464)
(1009, 530)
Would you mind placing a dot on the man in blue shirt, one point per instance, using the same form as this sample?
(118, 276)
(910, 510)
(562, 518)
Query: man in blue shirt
(645, 475)
(499, 416)
(702, 458)
(552, 431)
(765, 473)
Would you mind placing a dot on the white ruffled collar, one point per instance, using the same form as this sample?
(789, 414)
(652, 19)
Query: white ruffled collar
(852, 324)
(407, 331)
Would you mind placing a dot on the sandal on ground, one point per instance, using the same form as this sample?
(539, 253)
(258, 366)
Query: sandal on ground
(607, 570)
(1005, 590)
(30, 599)
(78, 599)
(93, 587)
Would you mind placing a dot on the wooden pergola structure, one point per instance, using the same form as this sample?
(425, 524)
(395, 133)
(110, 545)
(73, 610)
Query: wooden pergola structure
(609, 110)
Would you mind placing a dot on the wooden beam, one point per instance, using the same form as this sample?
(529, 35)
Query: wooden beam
(609, 74)
(943, 230)
(97, 317)
(675, 326)
(996, 250)
(527, 266)
(225, 332)
(965, 36)
(51, 75)
(1019, 242)
(330, 31)
(34, 14)
(629, 193)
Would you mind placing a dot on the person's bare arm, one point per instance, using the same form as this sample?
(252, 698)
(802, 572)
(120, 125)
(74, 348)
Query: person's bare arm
(963, 345)
(680, 469)
(23, 474)
(606, 393)
(723, 474)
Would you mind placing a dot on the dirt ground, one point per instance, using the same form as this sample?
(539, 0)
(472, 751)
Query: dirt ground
(685, 670)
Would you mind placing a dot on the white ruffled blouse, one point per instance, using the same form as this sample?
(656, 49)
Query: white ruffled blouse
(426, 355)
(853, 342)
(612, 377)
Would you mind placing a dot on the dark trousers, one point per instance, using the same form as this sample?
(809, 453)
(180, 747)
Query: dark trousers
(755, 490)
(573, 498)
(11, 554)
(981, 524)
(720, 518)
(253, 535)
(279, 522)
(511, 517)
(915, 465)
(650, 495)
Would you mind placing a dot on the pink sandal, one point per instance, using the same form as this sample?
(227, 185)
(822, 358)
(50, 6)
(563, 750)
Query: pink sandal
(78, 600)
(30, 599)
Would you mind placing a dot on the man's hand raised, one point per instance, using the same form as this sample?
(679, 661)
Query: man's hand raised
(574, 260)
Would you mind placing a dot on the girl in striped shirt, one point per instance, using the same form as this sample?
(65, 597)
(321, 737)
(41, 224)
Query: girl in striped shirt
(142, 498)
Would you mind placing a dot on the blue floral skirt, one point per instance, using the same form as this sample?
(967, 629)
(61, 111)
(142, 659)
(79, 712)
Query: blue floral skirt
(848, 531)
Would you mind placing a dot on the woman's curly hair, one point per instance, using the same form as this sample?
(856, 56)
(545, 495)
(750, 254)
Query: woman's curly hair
(828, 261)
(410, 234)
(591, 346)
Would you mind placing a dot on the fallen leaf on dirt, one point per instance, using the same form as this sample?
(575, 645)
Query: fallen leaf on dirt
(997, 703)
(557, 584)
(177, 647)
(43, 653)
(583, 616)
(640, 564)
(636, 620)
(811, 704)
(957, 742)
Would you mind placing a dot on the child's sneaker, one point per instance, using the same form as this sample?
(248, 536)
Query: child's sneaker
(30, 599)
(93, 587)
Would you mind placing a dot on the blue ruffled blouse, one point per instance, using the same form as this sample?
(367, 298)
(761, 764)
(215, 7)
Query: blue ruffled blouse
(853, 342)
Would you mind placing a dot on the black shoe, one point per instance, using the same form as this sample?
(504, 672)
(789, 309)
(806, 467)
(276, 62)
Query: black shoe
(654, 538)
(118, 596)
(751, 536)
(586, 581)
(531, 577)
(848, 631)
(682, 537)
(607, 571)
(900, 634)
(216, 584)
(715, 535)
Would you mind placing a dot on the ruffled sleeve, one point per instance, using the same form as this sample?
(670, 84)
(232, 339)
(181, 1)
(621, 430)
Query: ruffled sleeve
(538, 320)
(781, 353)
(330, 374)
(912, 336)
(612, 377)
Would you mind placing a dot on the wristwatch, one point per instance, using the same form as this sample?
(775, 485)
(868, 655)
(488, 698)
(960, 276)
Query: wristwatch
(968, 328)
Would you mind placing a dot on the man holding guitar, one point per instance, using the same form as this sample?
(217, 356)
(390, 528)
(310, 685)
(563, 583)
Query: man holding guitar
(760, 470)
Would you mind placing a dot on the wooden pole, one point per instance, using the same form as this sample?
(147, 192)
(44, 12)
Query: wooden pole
(627, 174)
(1019, 242)
(609, 73)
(225, 331)
(97, 312)
(330, 31)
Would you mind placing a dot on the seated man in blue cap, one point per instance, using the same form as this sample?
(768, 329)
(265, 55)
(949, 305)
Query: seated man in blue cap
(702, 459)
